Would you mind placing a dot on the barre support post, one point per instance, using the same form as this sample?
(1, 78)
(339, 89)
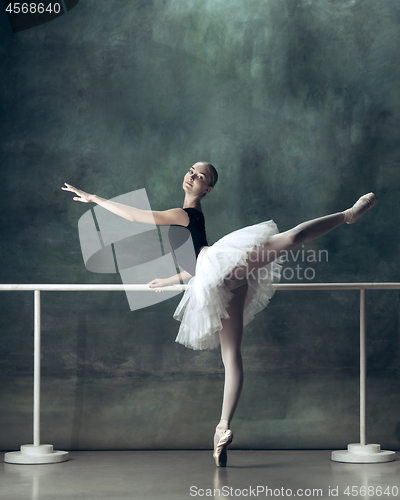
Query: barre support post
(363, 453)
(36, 453)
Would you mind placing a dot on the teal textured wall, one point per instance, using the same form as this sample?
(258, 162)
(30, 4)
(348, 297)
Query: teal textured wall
(297, 104)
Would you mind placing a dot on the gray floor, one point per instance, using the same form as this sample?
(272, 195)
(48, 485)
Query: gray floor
(179, 475)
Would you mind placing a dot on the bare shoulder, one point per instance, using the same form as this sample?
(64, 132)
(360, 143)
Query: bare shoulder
(176, 216)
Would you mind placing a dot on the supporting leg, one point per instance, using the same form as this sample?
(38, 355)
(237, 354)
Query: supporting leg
(231, 339)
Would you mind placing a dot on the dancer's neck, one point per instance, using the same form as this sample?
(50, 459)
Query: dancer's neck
(192, 202)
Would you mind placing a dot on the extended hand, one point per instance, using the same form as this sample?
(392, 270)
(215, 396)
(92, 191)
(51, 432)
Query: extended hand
(83, 197)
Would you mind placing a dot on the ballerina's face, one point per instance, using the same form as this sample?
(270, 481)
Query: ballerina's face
(198, 179)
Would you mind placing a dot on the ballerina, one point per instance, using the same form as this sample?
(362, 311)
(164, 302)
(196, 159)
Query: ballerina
(230, 281)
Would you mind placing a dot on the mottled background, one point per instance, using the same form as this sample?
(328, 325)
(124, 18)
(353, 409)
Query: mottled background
(297, 103)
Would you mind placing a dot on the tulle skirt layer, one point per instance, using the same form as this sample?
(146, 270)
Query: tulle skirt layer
(205, 302)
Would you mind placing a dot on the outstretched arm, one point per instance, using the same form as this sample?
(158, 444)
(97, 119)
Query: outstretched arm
(167, 217)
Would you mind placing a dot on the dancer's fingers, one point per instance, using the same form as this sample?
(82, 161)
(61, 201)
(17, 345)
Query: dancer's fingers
(81, 199)
(69, 188)
(157, 283)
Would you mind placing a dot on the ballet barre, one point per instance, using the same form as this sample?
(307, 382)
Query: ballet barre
(38, 453)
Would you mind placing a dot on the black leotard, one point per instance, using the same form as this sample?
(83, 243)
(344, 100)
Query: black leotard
(180, 241)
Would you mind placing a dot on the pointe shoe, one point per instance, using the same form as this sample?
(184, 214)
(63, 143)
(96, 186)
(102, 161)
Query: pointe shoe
(220, 452)
(359, 208)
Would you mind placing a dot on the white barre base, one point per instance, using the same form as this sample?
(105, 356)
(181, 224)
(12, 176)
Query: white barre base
(358, 453)
(31, 454)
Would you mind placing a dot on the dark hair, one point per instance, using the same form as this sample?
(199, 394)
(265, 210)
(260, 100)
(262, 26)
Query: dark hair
(214, 174)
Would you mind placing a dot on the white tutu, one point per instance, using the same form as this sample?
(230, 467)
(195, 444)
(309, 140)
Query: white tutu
(206, 300)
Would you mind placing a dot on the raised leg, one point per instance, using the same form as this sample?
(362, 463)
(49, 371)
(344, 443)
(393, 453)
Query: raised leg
(278, 244)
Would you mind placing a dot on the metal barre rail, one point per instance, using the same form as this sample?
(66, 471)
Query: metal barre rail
(357, 452)
(145, 288)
